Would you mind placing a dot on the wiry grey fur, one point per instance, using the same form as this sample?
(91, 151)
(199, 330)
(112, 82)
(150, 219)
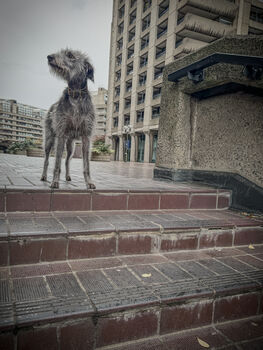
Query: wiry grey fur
(72, 116)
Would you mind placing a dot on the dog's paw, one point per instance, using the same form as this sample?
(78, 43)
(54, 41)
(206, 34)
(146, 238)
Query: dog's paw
(68, 178)
(43, 178)
(54, 184)
(91, 186)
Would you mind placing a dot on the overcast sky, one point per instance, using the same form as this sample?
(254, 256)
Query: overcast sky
(32, 29)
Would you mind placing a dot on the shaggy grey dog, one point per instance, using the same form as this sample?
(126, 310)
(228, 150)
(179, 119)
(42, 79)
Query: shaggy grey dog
(72, 116)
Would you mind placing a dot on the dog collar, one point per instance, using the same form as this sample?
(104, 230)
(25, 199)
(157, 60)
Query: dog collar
(75, 93)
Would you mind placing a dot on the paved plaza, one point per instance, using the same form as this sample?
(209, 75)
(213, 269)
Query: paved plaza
(24, 172)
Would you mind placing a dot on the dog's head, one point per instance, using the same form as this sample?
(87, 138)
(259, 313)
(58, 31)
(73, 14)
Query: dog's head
(71, 65)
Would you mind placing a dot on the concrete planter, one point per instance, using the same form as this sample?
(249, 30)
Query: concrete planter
(21, 153)
(35, 152)
(100, 157)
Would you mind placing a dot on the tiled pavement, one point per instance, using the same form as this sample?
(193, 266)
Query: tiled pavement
(25, 172)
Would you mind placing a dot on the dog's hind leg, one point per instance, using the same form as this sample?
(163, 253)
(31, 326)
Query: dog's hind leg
(49, 143)
(70, 148)
(59, 153)
(85, 155)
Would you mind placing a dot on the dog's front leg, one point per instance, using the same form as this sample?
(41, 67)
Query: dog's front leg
(59, 153)
(85, 155)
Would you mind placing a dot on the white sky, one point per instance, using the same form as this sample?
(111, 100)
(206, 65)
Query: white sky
(32, 29)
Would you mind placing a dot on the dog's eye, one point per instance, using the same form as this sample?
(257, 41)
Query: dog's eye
(69, 55)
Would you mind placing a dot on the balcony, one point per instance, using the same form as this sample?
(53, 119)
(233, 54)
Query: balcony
(187, 45)
(210, 9)
(202, 29)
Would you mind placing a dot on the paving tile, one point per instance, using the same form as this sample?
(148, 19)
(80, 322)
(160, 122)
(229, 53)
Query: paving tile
(179, 317)
(174, 201)
(84, 247)
(143, 201)
(148, 274)
(4, 273)
(3, 253)
(173, 271)
(153, 344)
(92, 264)
(114, 330)
(252, 261)
(232, 283)
(135, 244)
(70, 201)
(236, 307)
(122, 277)
(78, 336)
(41, 339)
(143, 259)
(202, 201)
(104, 201)
(94, 281)
(189, 340)
(179, 241)
(247, 236)
(124, 298)
(185, 256)
(3, 227)
(243, 330)
(64, 285)
(216, 266)
(5, 291)
(39, 270)
(196, 270)
(255, 344)
(30, 289)
(72, 223)
(221, 252)
(236, 264)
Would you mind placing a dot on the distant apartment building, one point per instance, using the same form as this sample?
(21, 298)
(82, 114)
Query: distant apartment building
(99, 99)
(148, 34)
(19, 121)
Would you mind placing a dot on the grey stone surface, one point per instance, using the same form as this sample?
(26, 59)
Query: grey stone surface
(221, 133)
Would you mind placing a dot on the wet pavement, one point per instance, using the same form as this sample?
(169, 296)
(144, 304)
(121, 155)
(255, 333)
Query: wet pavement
(24, 172)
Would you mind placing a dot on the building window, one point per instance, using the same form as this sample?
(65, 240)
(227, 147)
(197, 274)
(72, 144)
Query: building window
(126, 119)
(179, 41)
(140, 97)
(162, 29)
(117, 91)
(145, 41)
(119, 60)
(225, 20)
(120, 44)
(121, 12)
(120, 28)
(163, 8)
(141, 144)
(118, 76)
(132, 18)
(158, 71)
(142, 78)
(146, 21)
(130, 52)
(131, 34)
(130, 68)
(116, 107)
(133, 2)
(140, 116)
(160, 50)
(146, 4)
(157, 91)
(256, 14)
(127, 102)
(155, 112)
(144, 60)
(180, 18)
(128, 85)
(115, 122)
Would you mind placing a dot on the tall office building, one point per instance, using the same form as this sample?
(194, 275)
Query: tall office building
(99, 99)
(19, 121)
(148, 34)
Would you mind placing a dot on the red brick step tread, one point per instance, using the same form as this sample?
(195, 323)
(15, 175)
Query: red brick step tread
(27, 238)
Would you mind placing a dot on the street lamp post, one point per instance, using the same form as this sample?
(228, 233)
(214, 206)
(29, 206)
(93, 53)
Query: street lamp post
(126, 131)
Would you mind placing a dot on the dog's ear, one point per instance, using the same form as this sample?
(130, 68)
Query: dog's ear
(90, 71)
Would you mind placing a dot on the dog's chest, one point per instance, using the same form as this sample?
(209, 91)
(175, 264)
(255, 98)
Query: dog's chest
(75, 125)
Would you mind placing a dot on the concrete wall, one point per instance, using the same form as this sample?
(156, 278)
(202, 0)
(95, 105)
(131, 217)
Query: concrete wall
(222, 133)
